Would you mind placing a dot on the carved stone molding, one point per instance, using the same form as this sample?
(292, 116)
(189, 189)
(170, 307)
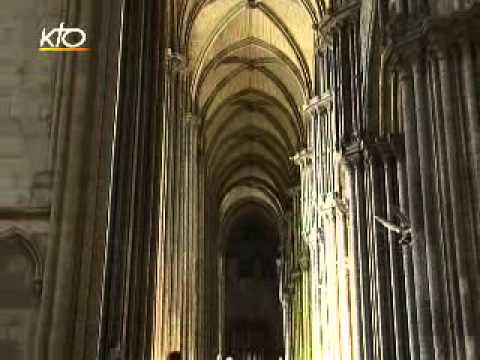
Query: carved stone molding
(32, 224)
(375, 151)
(408, 38)
(27, 237)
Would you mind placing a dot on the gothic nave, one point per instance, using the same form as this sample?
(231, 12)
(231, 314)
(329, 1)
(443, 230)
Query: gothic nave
(241, 180)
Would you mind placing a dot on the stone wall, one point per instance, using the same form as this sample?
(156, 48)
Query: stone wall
(27, 81)
(27, 88)
(23, 243)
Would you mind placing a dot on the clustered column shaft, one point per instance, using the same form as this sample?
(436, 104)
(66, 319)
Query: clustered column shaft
(181, 296)
(295, 284)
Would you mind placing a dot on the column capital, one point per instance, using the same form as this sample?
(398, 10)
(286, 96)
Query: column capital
(383, 150)
(290, 288)
(296, 274)
(303, 158)
(293, 191)
(329, 214)
(353, 159)
(442, 37)
(376, 153)
(439, 50)
(354, 147)
(413, 53)
(304, 261)
(38, 285)
(192, 120)
(318, 104)
(279, 264)
(176, 62)
(284, 219)
(201, 147)
(332, 205)
(403, 57)
(282, 224)
(252, 4)
(346, 264)
(397, 143)
(325, 40)
(315, 236)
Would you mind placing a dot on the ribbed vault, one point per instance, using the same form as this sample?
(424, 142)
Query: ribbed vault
(250, 67)
(250, 71)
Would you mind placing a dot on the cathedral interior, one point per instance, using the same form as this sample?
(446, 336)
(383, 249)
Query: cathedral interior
(241, 180)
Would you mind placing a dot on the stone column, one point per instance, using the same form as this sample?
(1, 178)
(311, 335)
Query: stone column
(462, 236)
(315, 176)
(412, 8)
(100, 240)
(285, 294)
(170, 285)
(297, 309)
(202, 327)
(473, 122)
(346, 307)
(408, 282)
(162, 282)
(395, 253)
(435, 262)
(191, 250)
(183, 227)
(382, 321)
(181, 231)
(422, 298)
(400, 7)
(308, 235)
(329, 274)
(287, 303)
(304, 263)
(354, 262)
(446, 212)
(363, 255)
(294, 276)
(221, 306)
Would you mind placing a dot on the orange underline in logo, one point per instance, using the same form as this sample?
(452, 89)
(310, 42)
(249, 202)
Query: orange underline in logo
(64, 49)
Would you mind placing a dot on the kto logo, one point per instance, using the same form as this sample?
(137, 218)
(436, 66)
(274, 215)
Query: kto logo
(63, 39)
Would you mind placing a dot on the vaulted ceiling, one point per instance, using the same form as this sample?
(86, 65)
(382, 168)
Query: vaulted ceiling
(251, 68)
